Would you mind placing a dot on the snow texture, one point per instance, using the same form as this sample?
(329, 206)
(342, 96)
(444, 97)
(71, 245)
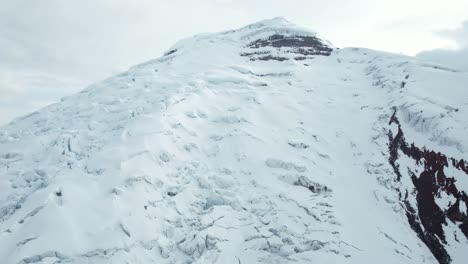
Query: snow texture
(212, 155)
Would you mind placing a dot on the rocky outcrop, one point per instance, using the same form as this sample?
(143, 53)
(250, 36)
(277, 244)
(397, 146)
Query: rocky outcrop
(301, 47)
(431, 179)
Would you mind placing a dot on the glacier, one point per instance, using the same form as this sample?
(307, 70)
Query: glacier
(265, 144)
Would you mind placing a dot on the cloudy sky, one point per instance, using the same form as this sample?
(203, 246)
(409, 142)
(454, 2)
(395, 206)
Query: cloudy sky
(53, 48)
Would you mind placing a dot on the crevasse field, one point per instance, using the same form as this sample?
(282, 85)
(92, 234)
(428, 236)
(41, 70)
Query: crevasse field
(265, 144)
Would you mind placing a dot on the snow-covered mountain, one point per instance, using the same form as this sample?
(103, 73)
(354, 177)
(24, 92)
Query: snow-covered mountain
(265, 144)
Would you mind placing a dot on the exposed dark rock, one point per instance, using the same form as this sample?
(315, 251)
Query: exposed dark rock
(262, 55)
(248, 54)
(170, 52)
(300, 58)
(269, 57)
(428, 219)
(301, 45)
(307, 45)
(298, 145)
(312, 186)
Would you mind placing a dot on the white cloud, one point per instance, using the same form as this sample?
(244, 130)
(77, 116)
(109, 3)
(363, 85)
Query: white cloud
(23, 92)
(456, 57)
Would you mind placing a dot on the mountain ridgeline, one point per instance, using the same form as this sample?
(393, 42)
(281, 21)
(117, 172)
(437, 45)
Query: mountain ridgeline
(265, 144)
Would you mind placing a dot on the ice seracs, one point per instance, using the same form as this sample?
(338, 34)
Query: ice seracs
(219, 152)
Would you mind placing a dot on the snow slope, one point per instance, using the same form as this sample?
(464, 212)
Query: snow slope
(264, 144)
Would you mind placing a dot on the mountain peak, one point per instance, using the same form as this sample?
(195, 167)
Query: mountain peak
(270, 39)
(257, 145)
(276, 21)
(278, 25)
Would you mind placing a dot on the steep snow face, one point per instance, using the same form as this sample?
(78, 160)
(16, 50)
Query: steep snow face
(260, 145)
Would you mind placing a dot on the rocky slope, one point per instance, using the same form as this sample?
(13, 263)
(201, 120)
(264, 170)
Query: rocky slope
(265, 144)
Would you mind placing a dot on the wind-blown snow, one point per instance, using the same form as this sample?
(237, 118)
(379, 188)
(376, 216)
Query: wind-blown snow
(206, 156)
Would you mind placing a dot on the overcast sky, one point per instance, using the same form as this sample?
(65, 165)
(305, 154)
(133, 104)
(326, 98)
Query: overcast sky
(53, 48)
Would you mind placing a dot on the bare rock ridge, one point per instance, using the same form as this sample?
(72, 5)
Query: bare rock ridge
(428, 219)
(301, 46)
(264, 144)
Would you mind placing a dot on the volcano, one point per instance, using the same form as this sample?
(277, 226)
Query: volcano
(265, 144)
